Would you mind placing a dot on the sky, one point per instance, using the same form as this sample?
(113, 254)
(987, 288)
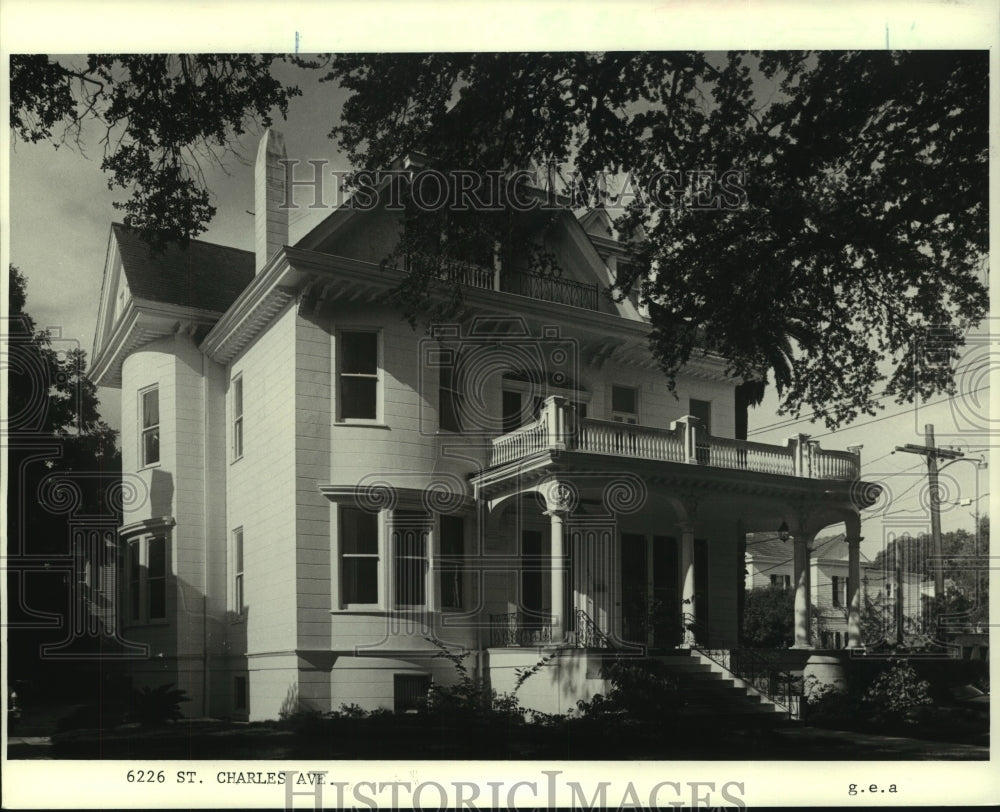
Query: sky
(61, 210)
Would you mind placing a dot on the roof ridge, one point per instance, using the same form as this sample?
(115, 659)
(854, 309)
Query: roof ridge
(135, 233)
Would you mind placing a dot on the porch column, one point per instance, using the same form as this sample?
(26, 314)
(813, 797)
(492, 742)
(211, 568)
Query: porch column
(854, 591)
(688, 608)
(803, 593)
(560, 499)
(558, 591)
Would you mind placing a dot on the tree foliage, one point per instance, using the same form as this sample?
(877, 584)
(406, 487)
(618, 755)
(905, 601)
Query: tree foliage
(62, 462)
(161, 116)
(769, 618)
(965, 566)
(860, 234)
(849, 240)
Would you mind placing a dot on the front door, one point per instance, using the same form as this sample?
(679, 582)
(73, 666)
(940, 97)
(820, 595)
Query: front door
(665, 617)
(533, 570)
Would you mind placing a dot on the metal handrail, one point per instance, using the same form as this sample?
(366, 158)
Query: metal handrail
(754, 668)
(588, 633)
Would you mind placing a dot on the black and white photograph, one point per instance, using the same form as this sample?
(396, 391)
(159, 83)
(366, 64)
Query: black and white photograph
(415, 405)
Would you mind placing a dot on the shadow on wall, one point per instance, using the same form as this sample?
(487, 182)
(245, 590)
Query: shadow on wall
(293, 704)
(161, 493)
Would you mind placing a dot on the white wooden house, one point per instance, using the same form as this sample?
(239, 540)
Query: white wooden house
(328, 495)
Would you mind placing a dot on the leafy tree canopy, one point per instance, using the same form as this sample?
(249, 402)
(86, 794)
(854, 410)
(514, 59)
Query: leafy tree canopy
(162, 116)
(768, 618)
(54, 426)
(853, 233)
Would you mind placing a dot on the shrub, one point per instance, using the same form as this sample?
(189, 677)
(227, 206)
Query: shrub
(640, 690)
(156, 706)
(896, 691)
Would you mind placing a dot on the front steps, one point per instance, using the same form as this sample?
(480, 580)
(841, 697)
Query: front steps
(711, 692)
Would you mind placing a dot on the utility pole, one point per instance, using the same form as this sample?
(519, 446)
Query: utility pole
(932, 454)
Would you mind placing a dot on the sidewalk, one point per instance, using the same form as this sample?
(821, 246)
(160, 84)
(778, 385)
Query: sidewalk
(791, 743)
(819, 744)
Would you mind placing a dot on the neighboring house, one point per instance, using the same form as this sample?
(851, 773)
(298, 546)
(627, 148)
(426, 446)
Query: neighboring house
(328, 494)
(769, 564)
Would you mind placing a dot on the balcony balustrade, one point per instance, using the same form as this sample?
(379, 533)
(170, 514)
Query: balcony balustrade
(558, 428)
(522, 283)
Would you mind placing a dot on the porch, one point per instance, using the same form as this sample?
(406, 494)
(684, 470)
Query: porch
(630, 537)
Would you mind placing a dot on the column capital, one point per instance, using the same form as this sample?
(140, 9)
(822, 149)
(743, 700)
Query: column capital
(853, 540)
(685, 527)
(560, 498)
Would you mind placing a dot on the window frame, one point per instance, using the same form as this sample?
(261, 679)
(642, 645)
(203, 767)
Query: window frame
(139, 580)
(618, 416)
(835, 582)
(237, 602)
(342, 513)
(418, 524)
(449, 393)
(453, 570)
(237, 418)
(152, 428)
(706, 426)
(241, 691)
(377, 377)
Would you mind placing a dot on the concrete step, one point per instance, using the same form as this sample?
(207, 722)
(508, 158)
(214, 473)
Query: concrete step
(708, 690)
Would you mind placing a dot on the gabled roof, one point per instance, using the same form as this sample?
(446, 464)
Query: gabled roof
(203, 275)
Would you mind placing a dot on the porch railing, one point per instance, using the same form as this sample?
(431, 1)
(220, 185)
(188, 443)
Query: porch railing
(550, 288)
(767, 676)
(523, 283)
(685, 441)
(514, 629)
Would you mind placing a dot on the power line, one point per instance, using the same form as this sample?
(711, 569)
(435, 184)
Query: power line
(895, 414)
(880, 396)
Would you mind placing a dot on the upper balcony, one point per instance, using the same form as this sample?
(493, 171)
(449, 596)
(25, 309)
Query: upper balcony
(522, 283)
(558, 428)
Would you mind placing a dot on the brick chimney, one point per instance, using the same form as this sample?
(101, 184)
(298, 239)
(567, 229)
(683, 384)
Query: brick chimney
(270, 219)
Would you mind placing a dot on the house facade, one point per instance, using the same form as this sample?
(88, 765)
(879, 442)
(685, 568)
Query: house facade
(769, 564)
(325, 497)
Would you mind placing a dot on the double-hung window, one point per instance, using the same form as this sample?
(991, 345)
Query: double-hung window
(237, 418)
(147, 579)
(358, 375)
(239, 601)
(150, 426)
(359, 557)
(838, 585)
(449, 405)
(409, 542)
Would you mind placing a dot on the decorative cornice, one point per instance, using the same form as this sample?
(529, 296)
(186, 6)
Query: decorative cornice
(140, 323)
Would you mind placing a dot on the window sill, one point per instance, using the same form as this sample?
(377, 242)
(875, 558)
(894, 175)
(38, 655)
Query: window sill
(375, 610)
(156, 464)
(364, 424)
(235, 460)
